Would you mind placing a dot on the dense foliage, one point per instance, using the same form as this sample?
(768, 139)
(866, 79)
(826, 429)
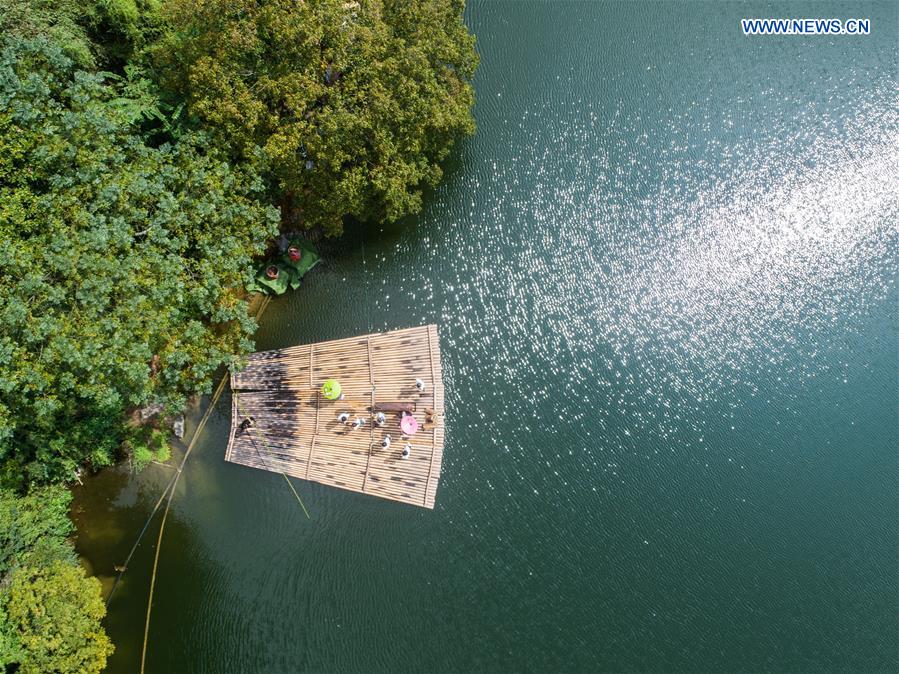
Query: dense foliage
(33, 529)
(118, 264)
(91, 32)
(61, 22)
(142, 145)
(126, 232)
(354, 103)
(50, 612)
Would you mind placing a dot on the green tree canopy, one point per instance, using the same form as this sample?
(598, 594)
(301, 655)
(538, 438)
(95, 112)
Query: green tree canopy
(49, 612)
(33, 528)
(355, 104)
(91, 32)
(64, 22)
(54, 611)
(118, 264)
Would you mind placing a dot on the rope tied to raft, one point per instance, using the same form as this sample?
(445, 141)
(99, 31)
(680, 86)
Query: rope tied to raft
(124, 566)
(171, 493)
(165, 514)
(269, 450)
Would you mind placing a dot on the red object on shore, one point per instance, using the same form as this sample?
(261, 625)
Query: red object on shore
(294, 253)
(272, 272)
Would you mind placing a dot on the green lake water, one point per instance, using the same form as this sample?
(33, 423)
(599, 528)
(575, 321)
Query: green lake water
(664, 277)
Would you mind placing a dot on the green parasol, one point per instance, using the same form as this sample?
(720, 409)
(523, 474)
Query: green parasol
(331, 389)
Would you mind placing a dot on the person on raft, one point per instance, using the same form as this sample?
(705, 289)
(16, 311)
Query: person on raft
(246, 423)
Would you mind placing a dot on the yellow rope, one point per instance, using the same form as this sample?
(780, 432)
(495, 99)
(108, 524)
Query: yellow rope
(190, 447)
(124, 567)
(290, 484)
(269, 450)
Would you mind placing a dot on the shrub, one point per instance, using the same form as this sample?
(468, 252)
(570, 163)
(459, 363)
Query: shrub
(114, 255)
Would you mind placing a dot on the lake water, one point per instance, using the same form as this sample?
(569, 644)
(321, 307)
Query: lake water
(664, 272)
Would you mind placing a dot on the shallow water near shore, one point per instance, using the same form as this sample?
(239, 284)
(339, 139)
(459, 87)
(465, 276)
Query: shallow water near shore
(664, 277)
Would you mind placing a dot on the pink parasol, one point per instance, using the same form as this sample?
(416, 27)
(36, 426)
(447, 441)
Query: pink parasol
(408, 424)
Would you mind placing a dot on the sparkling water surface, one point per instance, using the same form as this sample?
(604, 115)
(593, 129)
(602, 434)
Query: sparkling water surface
(664, 277)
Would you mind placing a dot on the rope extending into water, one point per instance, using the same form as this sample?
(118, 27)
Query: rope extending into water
(171, 493)
(124, 567)
(293, 489)
(269, 450)
(165, 514)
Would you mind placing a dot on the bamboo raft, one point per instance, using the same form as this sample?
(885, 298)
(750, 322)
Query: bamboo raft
(296, 431)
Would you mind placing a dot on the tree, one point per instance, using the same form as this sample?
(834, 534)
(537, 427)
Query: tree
(55, 613)
(91, 32)
(354, 104)
(49, 612)
(33, 528)
(121, 264)
(62, 22)
(10, 650)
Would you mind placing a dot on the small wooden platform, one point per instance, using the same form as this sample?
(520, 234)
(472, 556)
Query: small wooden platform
(296, 430)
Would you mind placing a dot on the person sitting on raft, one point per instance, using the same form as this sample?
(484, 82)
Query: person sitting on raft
(246, 423)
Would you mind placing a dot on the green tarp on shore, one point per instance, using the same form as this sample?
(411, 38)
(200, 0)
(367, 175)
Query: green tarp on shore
(289, 272)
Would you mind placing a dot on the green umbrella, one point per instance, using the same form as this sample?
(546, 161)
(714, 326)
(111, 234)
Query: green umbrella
(331, 389)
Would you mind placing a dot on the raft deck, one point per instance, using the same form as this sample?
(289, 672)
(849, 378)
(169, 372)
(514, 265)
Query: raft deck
(296, 431)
